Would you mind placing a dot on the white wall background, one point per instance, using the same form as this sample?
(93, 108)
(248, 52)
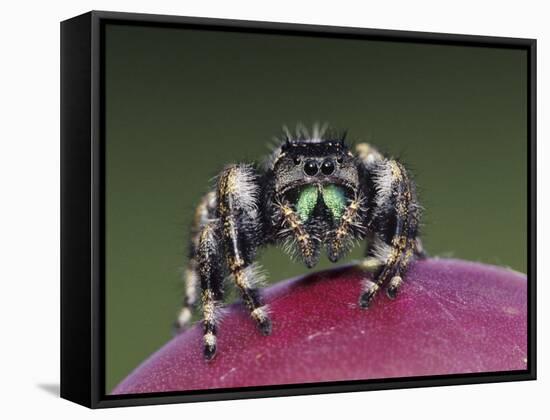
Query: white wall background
(29, 230)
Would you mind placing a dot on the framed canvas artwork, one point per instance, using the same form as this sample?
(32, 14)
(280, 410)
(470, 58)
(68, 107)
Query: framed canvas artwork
(255, 209)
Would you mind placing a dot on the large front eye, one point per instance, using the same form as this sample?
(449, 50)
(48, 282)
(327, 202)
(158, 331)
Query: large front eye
(327, 167)
(310, 168)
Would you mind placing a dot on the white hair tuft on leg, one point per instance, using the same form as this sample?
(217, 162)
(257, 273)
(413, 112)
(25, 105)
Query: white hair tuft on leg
(383, 183)
(247, 187)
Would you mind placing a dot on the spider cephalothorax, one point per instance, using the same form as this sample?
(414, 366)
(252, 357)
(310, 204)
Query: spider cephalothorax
(315, 198)
(312, 194)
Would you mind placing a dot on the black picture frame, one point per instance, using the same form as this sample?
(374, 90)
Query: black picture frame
(83, 200)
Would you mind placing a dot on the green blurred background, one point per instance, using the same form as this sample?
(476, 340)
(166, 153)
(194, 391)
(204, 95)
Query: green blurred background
(182, 103)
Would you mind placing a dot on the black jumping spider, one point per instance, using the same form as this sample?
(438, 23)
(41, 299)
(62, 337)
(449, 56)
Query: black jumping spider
(312, 193)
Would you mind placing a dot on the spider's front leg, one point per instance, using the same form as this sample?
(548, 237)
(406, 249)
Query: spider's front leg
(394, 222)
(238, 195)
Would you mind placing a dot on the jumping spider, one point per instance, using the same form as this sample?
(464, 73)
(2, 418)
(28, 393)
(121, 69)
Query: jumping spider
(312, 192)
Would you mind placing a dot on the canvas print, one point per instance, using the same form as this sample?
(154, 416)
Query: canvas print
(285, 209)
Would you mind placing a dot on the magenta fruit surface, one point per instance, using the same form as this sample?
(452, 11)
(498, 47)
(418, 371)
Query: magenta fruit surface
(451, 316)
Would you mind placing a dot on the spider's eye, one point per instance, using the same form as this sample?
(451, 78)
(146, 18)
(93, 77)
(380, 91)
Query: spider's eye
(327, 167)
(310, 168)
(340, 159)
(297, 161)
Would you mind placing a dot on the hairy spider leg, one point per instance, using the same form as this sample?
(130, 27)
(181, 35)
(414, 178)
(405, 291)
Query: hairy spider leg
(211, 279)
(204, 212)
(395, 224)
(238, 191)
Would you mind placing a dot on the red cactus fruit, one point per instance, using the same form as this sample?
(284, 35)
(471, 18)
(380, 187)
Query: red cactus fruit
(450, 317)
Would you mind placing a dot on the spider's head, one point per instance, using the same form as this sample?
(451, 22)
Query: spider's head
(315, 162)
(307, 167)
